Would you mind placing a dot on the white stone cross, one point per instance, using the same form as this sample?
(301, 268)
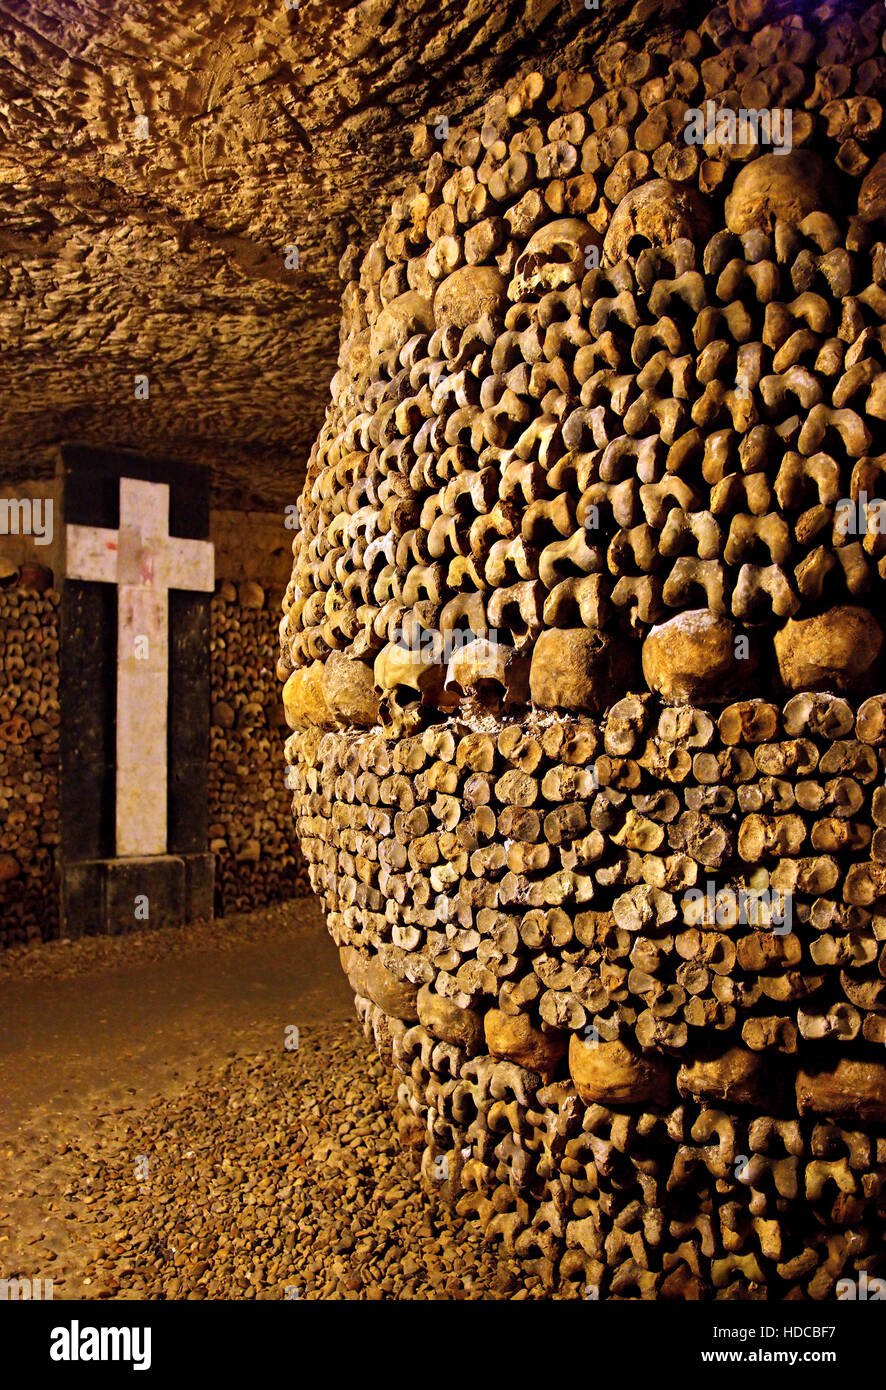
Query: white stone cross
(145, 562)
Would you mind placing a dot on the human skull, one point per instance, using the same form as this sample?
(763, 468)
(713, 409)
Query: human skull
(778, 187)
(407, 677)
(467, 294)
(408, 314)
(488, 671)
(656, 214)
(555, 257)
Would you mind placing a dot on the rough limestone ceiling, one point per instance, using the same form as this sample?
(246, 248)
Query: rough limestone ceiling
(164, 255)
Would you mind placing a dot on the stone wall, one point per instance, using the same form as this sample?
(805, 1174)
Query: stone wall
(29, 764)
(254, 545)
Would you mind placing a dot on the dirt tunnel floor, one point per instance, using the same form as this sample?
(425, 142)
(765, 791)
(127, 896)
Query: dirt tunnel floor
(160, 1136)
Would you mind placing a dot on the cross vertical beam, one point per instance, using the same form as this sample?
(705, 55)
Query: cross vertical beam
(145, 562)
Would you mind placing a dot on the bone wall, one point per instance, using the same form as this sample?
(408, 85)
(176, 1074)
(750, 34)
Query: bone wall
(29, 766)
(627, 1072)
(30, 535)
(584, 652)
(250, 823)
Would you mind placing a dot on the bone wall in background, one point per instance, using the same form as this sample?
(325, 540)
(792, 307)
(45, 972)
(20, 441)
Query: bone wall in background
(257, 860)
(29, 744)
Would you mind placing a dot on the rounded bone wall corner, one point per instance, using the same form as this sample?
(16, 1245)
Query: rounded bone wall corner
(583, 660)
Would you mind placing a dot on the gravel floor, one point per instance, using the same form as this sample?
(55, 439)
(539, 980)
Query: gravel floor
(265, 1173)
(269, 1177)
(67, 958)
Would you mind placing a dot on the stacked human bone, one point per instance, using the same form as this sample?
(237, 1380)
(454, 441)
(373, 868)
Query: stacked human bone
(250, 828)
(29, 738)
(582, 656)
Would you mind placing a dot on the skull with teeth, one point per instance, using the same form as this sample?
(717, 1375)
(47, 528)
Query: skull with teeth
(408, 677)
(488, 672)
(556, 256)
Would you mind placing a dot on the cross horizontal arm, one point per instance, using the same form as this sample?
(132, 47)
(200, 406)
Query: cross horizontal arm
(92, 553)
(186, 564)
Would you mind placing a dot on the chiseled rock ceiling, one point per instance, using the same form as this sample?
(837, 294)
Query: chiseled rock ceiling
(163, 253)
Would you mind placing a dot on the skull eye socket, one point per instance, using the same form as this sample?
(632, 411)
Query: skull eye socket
(638, 244)
(488, 690)
(404, 695)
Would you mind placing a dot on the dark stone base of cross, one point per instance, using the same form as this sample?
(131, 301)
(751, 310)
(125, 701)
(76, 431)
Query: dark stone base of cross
(113, 896)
